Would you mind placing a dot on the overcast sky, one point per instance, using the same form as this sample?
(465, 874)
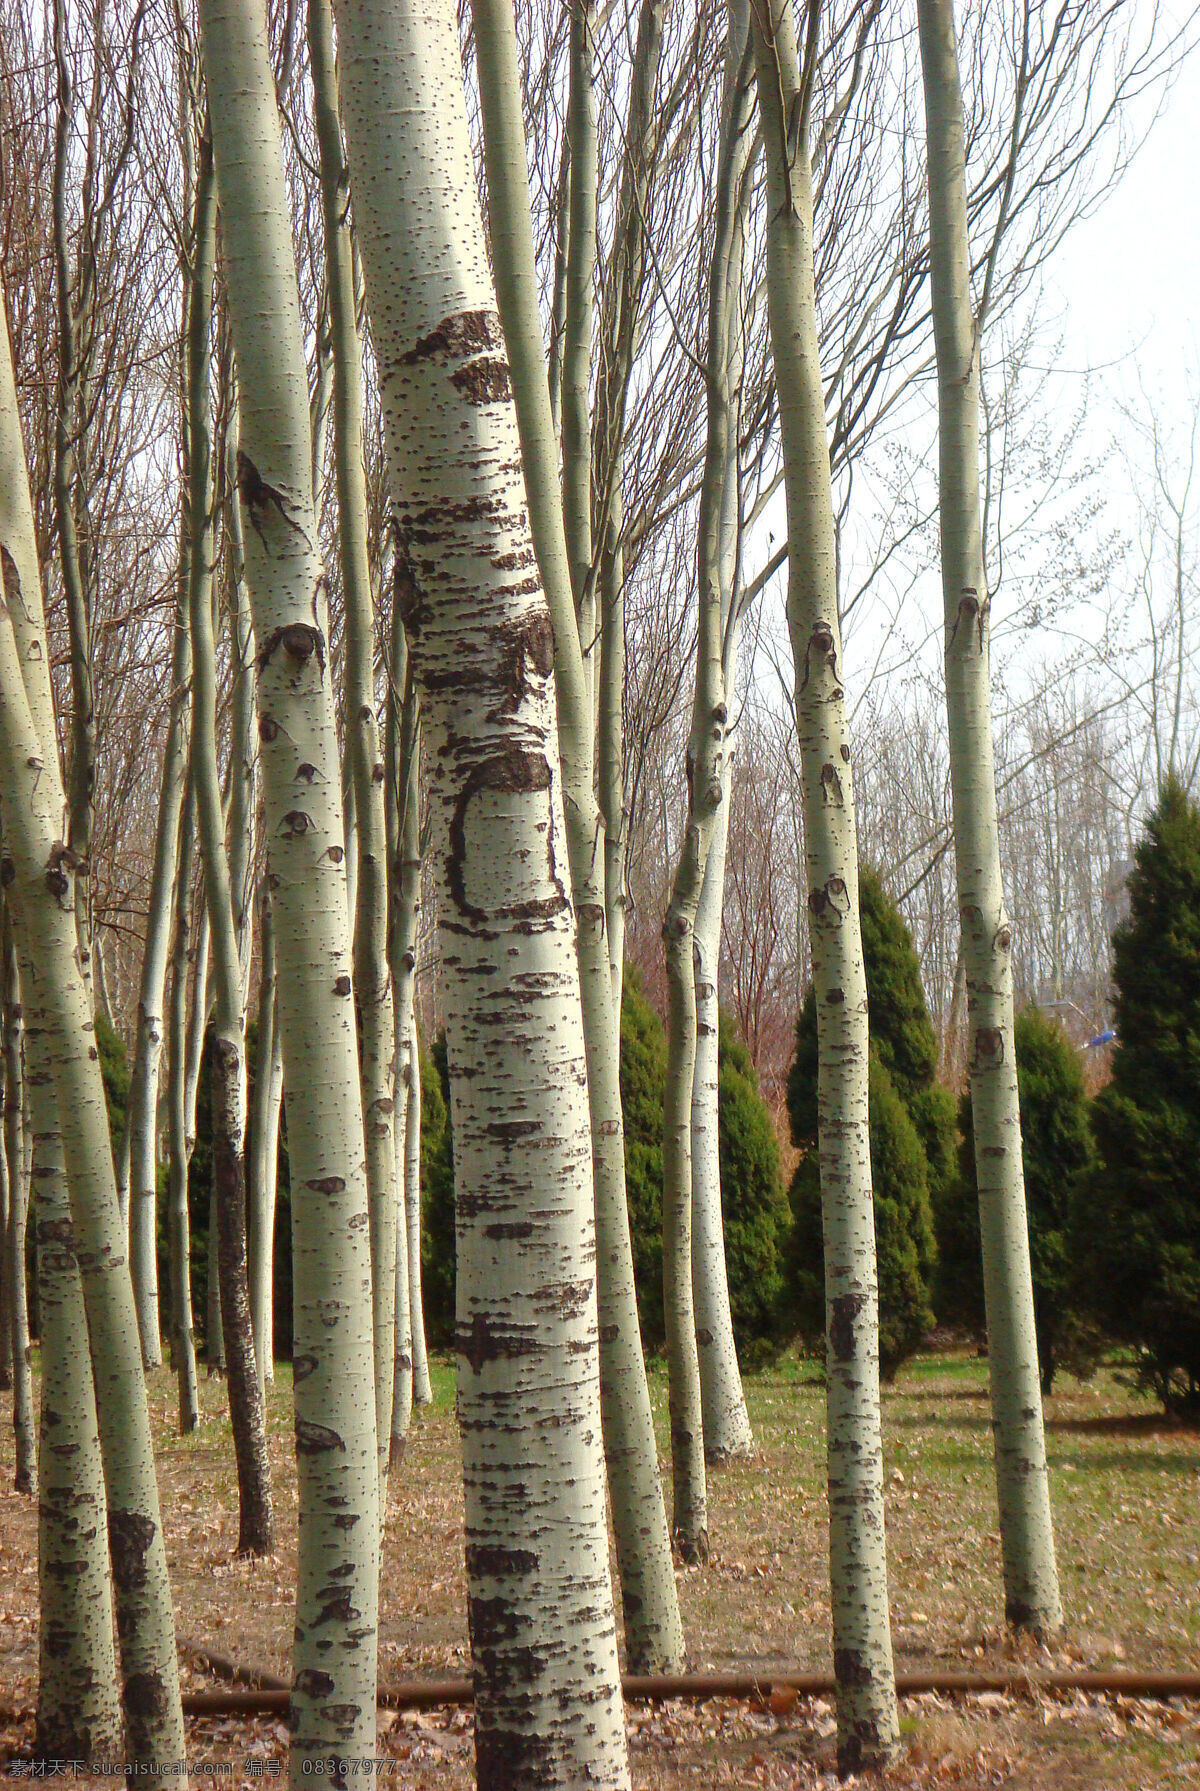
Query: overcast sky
(1128, 279)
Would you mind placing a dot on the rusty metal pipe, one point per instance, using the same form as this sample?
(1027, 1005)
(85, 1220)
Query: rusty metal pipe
(253, 1693)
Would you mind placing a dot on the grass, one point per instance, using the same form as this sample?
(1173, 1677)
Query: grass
(1126, 1490)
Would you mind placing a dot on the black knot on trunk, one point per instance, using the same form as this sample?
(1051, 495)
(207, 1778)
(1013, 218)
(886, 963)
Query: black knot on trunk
(844, 1312)
(300, 639)
(316, 1439)
(11, 578)
(130, 1534)
(830, 903)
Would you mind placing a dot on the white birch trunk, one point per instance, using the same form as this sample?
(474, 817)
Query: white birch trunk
(610, 737)
(78, 1709)
(24, 1439)
(372, 982)
(264, 1153)
(422, 1386)
(201, 1005)
(36, 874)
(241, 806)
(1032, 1598)
(548, 1697)
(402, 1376)
(727, 1432)
(868, 1729)
(404, 907)
(335, 1652)
(179, 1144)
(577, 330)
(707, 789)
(228, 1055)
(653, 1631)
(142, 1111)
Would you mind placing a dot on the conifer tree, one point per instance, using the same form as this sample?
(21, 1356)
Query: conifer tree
(1057, 1153)
(1138, 1221)
(904, 1232)
(912, 1137)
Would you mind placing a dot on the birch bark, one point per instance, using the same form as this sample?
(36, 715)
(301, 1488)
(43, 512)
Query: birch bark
(37, 875)
(179, 1143)
(422, 1386)
(868, 1729)
(707, 780)
(577, 330)
(404, 905)
(1031, 1590)
(653, 1631)
(624, 284)
(335, 1653)
(372, 981)
(548, 1698)
(78, 1709)
(264, 1142)
(228, 1049)
(727, 1431)
(69, 433)
(24, 1436)
(141, 1124)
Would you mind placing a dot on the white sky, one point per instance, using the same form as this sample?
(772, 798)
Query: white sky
(1128, 279)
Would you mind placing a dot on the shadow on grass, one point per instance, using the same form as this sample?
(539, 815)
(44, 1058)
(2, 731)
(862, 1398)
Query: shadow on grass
(1128, 1424)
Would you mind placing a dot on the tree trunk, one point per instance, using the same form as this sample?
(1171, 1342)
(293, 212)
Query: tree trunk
(69, 434)
(653, 1631)
(214, 1324)
(142, 1110)
(402, 1377)
(422, 1386)
(264, 1153)
(179, 1144)
(36, 873)
(78, 1708)
(6, 1364)
(228, 1053)
(1026, 1529)
(141, 1124)
(868, 1729)
(335, 1652)
(24, 1431)
(548, 1696)
(727, 1432)
(243, 750)
(404, 909)
(707, 784)
(372, 982)
(577, 330)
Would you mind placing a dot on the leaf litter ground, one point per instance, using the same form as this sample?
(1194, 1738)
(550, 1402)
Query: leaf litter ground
(1127, 1507)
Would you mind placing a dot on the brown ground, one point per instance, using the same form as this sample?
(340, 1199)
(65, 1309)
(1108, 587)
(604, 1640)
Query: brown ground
(1127, 1501)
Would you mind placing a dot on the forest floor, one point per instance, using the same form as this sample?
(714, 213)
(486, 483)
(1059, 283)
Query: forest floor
(1126, 1487)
